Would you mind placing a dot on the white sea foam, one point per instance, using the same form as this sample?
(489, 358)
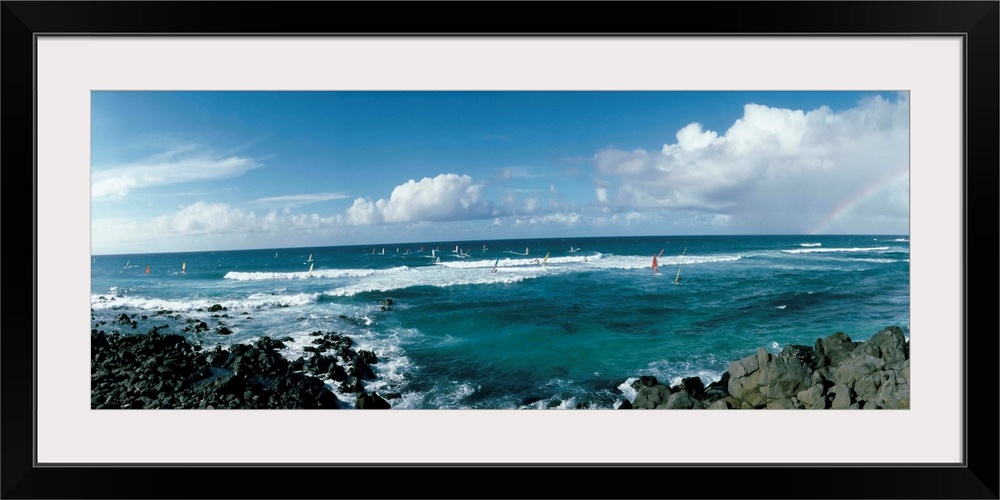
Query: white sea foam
(254, 301)
(316, 273)
(644, 262)
(437, 276)
(509, 270)
(877, 261)
(627, 390)
(451, 397)
(818, 250)
(547, 404)
(810, 244)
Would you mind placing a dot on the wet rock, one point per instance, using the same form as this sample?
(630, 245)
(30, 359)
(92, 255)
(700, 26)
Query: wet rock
(838, 373)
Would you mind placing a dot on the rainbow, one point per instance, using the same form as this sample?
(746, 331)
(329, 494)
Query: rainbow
(857, 198)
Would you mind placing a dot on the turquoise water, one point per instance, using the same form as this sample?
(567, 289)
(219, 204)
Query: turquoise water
(564, 332)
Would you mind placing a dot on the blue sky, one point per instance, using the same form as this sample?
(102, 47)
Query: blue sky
(189, 171)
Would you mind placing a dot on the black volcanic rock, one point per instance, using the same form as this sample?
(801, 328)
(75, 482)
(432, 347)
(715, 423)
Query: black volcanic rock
(158, 370)
(837, 373)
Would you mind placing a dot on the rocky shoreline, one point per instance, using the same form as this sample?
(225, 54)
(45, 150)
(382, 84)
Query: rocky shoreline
(164, 371)
(835, 373)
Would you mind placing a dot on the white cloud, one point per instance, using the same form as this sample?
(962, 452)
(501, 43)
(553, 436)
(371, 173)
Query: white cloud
(773, 169)
(296, 200)
(166, 168)
(214, 225)
(364, 212)
(694, 137)
(530, 205)
(445, 197)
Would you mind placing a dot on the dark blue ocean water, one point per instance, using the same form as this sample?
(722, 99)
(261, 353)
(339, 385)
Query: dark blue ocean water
(563, 332)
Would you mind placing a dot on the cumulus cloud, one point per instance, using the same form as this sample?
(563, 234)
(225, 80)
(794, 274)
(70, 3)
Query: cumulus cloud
(446, 197)
(214, 225)
(177, 166)
(773, 169)
(220, 218)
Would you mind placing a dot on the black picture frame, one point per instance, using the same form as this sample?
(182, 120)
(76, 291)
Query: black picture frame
(977, 22)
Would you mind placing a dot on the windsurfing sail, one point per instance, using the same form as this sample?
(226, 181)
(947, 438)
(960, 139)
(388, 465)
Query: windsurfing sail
(545, 261)
(126, 263)
(310, 258)
(438, 260)
(678, 278)
(310, 271)
(484, 247)
(656, 266)
(183, 267)
(494, 271)
(147, 269)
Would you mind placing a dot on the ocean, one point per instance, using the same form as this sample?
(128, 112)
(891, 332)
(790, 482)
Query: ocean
(562, 323)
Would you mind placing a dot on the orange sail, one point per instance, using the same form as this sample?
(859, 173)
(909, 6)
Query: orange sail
(147, 269)
(656, 266)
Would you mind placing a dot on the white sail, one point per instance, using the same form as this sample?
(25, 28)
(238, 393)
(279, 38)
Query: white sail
(678, 278)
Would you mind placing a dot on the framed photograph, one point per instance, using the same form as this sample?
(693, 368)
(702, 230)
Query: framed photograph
(503, 238)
